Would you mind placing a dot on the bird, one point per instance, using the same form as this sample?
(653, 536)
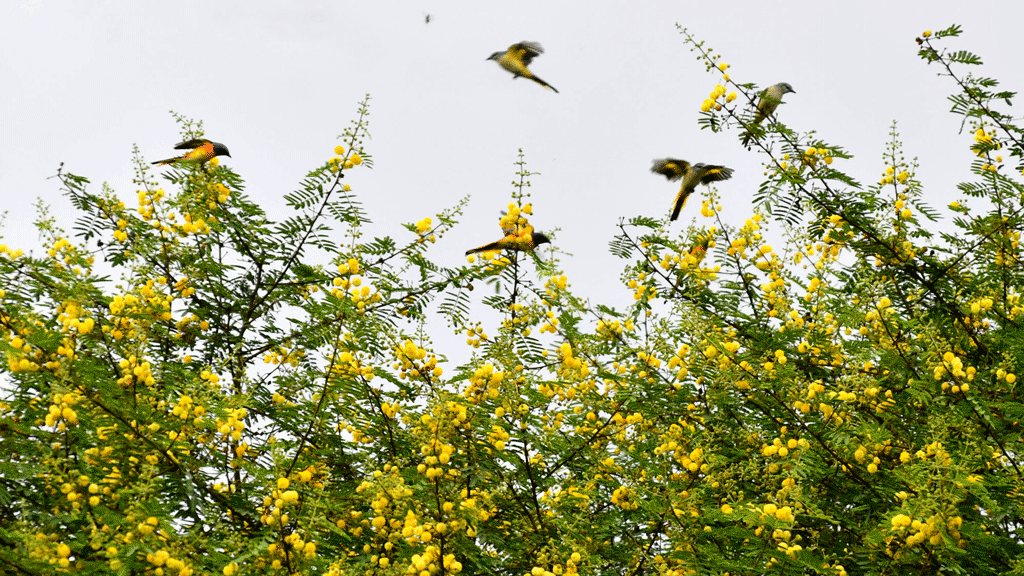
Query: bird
(700, 249)
(700, 173)
(519, 235)
(201, 150)
(518, 57)
(771, 97)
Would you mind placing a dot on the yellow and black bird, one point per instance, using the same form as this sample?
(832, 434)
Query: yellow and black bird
(200, 151)
(519, 235)
(674, 169)
(771, 97)
(518, 57)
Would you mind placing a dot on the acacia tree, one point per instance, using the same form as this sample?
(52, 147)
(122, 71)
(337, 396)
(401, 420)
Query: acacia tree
(253, 396)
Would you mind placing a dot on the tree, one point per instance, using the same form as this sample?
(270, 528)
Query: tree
(846, 405)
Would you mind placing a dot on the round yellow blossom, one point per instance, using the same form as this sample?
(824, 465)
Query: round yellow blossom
(339, 150)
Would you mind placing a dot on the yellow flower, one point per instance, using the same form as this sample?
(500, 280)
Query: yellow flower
(356, 159)
(723, 66)
(927, 33)
(339, 150)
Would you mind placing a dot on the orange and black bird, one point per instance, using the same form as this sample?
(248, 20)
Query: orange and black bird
(701, 248)
(519, 235)
(700, 173)
(200, 151)
(518, 57)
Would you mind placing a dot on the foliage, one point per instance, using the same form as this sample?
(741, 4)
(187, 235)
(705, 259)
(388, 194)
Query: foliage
(845, 406)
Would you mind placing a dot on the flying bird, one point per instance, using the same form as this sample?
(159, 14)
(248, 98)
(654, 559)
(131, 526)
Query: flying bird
(200, 151)
(674, 169)
(518, 57)
(771, 97)
(519, 235)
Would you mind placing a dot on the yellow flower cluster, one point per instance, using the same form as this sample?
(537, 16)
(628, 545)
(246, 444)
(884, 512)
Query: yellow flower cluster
(812, 155)
(475, 336)
(642, 291)
(340, 160)
(485, 381)
(612, 329)
(423, 226)
(231, 426)
(953, 367)
(929, 530)
(62, 413)
(571, 368)
(29, 358)
(134, 371)
(782, 447)
(163, 559)
(351, 287)
(554, 284)
(678, 362)
(891, 176)
(712, 100)
(622, 497)
(186, 407)
(413, 362)
(10, 254)
(282, 355)
(148, 200)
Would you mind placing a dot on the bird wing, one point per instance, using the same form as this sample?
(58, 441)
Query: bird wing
(525, 51)
(715, 174)
(671, 168)
(191, 144)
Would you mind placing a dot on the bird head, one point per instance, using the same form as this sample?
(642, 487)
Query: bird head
(220, 150)
(539, 238)
(786, 87)
(495, 56)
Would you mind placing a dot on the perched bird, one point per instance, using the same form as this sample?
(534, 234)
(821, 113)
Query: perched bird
(674, 169)
(521, 242)
(518, 57)
(200, 151)
(519, 235)
(701, 248)
(771, 97)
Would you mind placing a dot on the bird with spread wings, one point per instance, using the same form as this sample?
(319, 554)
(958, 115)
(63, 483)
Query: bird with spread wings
(518, 57)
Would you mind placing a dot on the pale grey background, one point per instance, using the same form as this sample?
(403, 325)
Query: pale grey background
(277, 82)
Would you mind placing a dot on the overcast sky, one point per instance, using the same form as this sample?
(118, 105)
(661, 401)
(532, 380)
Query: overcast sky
(277, 82)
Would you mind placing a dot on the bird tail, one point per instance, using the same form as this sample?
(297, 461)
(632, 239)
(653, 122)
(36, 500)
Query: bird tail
(680, 202)
(168, 161)
(543, 83)
(493, 246)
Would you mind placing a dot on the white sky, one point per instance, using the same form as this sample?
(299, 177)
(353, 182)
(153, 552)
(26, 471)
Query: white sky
(277, 82)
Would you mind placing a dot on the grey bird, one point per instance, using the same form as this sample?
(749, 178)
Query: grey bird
(700, 173)
(518, 57)
(771, 97)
